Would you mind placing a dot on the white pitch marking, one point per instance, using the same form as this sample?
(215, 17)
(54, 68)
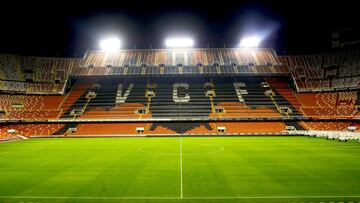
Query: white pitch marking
(181, 173)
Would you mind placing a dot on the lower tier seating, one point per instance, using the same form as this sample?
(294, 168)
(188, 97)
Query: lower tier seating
(330, 105)
(4, 135)
(339, 126)
(158, 128)
(165, 128)
(31, 129)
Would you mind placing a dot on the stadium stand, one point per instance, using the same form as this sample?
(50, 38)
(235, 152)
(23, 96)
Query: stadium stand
(178, 92)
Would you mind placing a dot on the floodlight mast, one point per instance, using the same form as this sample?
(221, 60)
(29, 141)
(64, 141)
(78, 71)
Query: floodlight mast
(110, 44)
(250, 42)
(179, 43)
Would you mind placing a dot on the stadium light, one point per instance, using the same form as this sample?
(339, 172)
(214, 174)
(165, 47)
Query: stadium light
(179, 42)
(250, 42)
(110, 44)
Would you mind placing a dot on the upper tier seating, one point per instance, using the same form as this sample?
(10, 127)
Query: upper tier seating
(329, 71)
(41, 75)
(37, 69)
(184, 62)
(35, 75)
(173, 57)
(30, 87)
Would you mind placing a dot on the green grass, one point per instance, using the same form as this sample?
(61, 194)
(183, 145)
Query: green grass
(209, 169)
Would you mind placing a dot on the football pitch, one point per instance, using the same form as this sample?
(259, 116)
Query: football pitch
(180, 169)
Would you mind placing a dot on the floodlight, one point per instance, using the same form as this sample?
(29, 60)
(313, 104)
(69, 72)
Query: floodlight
(179, 42)
(250, 42)
(110, 44)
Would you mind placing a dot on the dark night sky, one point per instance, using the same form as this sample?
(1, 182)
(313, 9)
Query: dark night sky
(69, 28)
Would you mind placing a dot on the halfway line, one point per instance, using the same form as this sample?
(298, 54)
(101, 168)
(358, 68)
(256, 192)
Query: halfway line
(181, 173)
